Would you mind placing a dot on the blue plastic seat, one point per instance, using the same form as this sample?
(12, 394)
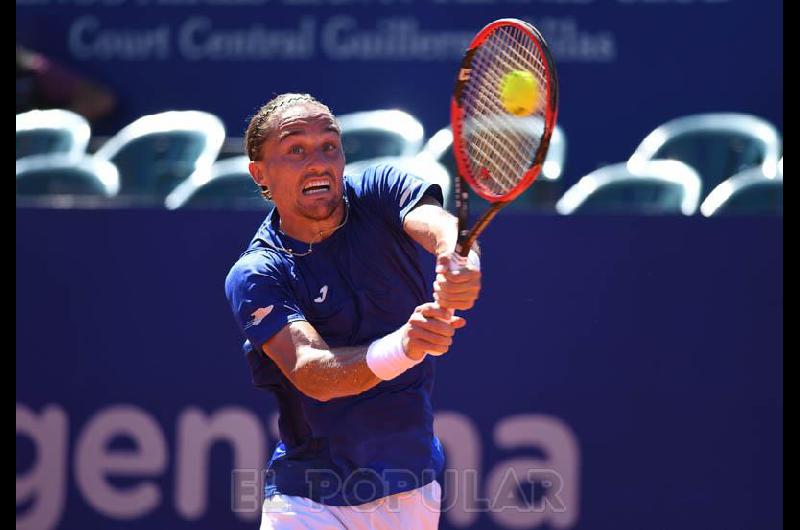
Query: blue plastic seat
(62, 174)
(226, 184)
(715, 145)
(651, 188)
(380, 133)
(156, 152)
(52, 131)
(749, 192)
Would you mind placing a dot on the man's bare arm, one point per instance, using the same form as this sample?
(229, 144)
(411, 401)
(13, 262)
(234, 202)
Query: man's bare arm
(432, 226)
(315, 369)
(436, 230)
(325, 373)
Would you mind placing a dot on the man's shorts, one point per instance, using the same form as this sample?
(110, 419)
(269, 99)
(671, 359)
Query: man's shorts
(417, 509)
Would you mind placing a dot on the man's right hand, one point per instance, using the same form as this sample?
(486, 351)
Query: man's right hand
(430, 330)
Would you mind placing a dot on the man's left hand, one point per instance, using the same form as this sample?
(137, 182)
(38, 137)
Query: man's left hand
(455, 290)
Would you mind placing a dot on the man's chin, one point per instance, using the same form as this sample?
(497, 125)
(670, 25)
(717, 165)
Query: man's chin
(322, 210)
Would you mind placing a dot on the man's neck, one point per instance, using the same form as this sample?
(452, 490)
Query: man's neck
(310, 230)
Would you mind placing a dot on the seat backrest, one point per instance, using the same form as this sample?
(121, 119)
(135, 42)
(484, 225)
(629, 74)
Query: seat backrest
(655, 187)
(227, 184)
(553, 167)
(749, 192)
(62, 174)
(378, 133)
(156, 152)
(715, 145)
(52, 131)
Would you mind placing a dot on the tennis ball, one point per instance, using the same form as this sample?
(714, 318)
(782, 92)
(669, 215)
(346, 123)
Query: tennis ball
(519, 92)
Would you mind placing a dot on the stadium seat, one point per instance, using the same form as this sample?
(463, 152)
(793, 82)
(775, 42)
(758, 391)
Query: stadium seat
(156, 152)
(226, 184)
(425, 168)
(62, 174)
(655, 187)
(715, 145)
(541, 196)
(379, 133)
(52, 131)
(749, 192)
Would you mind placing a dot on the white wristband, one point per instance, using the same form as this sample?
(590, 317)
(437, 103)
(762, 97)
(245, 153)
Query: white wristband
(459, 262)
(386, 357)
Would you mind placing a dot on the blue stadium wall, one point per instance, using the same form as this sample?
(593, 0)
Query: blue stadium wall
(635, 363)
(625, 66)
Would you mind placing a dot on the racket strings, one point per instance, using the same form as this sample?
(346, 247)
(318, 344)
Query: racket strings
(515, 51)
(514, 41)
(500, 146)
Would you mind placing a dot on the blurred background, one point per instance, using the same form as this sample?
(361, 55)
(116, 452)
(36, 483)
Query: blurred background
(647, 270)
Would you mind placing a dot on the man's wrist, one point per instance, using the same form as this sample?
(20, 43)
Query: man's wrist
(386, 357)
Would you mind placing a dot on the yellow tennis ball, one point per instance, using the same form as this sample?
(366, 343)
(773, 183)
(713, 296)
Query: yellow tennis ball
(519, 92)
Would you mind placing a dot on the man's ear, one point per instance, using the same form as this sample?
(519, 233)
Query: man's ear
(256, 173)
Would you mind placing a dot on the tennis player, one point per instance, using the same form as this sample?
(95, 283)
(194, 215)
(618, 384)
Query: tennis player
(331, 297)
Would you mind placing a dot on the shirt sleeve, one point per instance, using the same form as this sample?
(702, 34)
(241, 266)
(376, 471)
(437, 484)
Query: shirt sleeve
(260, 299)
(393, 192)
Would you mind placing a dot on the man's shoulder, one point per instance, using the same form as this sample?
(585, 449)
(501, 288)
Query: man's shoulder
(256, 261)
(359, 180)
(261, 258)
(370, 179)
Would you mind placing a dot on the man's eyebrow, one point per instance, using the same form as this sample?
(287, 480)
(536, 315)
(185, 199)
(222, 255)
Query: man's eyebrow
(290, 132)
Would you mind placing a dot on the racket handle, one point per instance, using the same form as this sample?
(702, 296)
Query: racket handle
(459, 263)
(459, 260)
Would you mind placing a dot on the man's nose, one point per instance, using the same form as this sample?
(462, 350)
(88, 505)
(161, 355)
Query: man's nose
(317, 162)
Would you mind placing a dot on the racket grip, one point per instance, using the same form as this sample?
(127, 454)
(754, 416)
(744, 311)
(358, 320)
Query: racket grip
(459, 263)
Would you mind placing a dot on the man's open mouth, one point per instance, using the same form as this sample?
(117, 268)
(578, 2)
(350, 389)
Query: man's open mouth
(320, 185)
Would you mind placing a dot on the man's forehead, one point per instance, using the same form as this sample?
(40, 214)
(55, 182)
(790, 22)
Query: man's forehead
(297, 117)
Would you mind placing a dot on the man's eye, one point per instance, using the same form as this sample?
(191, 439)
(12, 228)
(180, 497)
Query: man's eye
(296, 150)
(330, 147)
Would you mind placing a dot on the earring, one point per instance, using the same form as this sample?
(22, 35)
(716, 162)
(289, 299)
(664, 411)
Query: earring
(266, 193)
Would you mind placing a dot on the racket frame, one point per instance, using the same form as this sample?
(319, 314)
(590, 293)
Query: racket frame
(468, 237)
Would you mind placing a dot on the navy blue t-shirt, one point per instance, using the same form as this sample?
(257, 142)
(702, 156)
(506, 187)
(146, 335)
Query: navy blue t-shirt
(359, 284)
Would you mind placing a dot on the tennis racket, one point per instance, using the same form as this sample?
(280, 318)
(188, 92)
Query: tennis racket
(499, 151)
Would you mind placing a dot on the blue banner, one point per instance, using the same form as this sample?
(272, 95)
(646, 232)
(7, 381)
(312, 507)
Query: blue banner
(625, 66)
(616, 373)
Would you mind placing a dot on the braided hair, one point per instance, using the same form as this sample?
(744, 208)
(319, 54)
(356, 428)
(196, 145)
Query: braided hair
(260, 126)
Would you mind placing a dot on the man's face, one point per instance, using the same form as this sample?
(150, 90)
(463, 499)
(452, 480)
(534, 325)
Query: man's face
(302, 162)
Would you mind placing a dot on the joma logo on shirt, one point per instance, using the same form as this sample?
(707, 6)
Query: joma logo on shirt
(323, 294)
